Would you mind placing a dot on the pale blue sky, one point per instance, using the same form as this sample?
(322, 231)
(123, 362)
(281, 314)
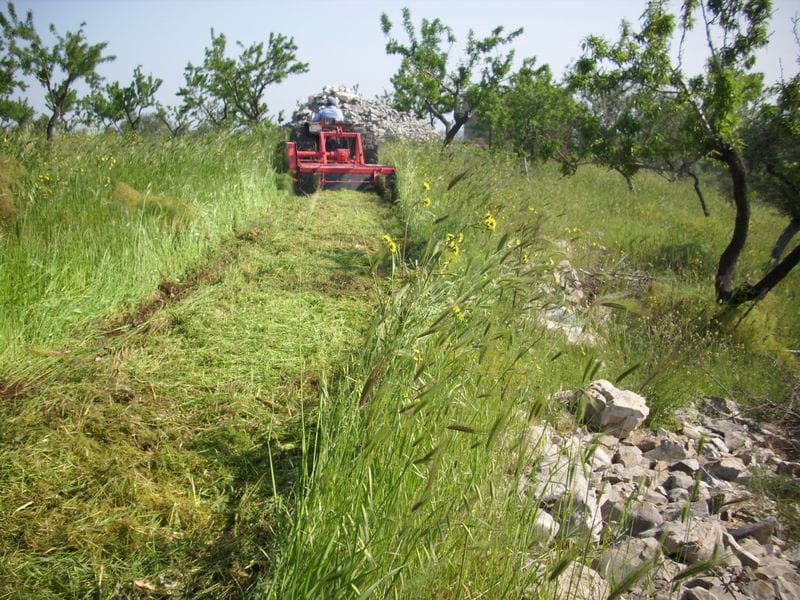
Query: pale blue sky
(342, 40)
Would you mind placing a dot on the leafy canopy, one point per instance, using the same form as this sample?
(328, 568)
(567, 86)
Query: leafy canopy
(231, 90)
(646, 112)
(56, 67)
(426, 84)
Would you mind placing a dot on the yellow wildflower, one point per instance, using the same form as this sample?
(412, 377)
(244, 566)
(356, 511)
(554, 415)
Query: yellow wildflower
(390, 243)
(460, 238)
(427, 186)
(489, 221)
(452, 244)
(457, 312)
(417, 355)
(525, 258)
(426, 201)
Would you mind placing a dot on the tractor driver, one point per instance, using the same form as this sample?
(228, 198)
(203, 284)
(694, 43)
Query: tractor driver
(331, 111)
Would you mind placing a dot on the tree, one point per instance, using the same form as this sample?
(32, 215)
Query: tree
(772, 154)
(174, 119)
(427, 86)
(115, 103)
(12, 110)
(58, 67)
(226, 89)
(530, 114)
(706, 112)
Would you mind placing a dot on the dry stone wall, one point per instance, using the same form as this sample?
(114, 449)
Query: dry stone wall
(382, 121)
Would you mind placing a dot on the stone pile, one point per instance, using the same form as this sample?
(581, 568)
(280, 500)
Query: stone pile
(670, 500)
(383, 122)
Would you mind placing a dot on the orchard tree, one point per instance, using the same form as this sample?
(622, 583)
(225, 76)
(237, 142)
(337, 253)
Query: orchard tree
(427, 85)
(530, 114)
(173, 118)
(706, 112)
(12, 110)
(772, 153)
(58, 67)
(225, 89)
(115, 103)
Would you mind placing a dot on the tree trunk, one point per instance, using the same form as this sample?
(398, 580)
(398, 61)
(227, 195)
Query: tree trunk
(753, 292)
(723, 283)
(451, 132)
(783, 240)
(51, 124)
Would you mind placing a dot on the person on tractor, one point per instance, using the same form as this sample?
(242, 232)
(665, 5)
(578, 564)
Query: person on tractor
(331, 111)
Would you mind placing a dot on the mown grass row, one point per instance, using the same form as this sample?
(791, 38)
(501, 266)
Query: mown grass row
(168, 318)
(99, 221)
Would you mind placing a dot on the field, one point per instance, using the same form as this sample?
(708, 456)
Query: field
(214, 388)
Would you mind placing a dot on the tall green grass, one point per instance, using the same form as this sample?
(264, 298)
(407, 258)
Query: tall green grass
(420, 449)
(77, 252)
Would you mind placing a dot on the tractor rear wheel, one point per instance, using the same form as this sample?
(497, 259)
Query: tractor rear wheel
(386, 186)
(304, 140)
(370, 146)
(308, 183)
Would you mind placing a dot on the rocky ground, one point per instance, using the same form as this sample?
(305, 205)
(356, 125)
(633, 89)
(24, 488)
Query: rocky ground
(676, 505)
(381, 120)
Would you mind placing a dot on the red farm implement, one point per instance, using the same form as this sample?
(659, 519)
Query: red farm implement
(332, 155)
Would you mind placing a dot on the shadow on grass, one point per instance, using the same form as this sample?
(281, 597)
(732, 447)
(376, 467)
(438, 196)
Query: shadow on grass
(238, 554)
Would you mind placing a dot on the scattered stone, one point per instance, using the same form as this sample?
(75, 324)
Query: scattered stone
(692, 541)
(628, 456)
(615, 411)
(667, 450)
(760, 531)
(690, 466)
(646, 517)
(600, 459)
(727, 469)
(545, 525)
(747, 559)
(680, 480)
(791, 469)
(617, 561)
(579, 582)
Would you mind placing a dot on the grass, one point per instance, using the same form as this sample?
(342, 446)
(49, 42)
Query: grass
(154, 449)
(421, 447)
(215, 389)
(78, 251)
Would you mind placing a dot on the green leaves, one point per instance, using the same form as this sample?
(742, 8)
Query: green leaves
(428, 85)
(71, 56)
(225, 90)
(114, 103)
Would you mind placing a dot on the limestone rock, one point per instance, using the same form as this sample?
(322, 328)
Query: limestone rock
(615, 411)
(692, 541)
(760, 531)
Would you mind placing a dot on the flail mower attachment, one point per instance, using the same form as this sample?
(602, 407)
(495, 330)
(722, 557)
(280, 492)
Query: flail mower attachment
(332, 155)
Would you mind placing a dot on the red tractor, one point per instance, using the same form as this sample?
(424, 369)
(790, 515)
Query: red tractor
(328, 155)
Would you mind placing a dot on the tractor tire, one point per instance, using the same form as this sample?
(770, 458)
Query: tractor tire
(370, 146)
(304, 140)
(308, 183)
(386, 186)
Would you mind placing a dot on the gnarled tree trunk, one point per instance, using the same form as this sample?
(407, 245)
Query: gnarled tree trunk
(723, 283)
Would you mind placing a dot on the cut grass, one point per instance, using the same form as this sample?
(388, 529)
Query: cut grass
(163, 455)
